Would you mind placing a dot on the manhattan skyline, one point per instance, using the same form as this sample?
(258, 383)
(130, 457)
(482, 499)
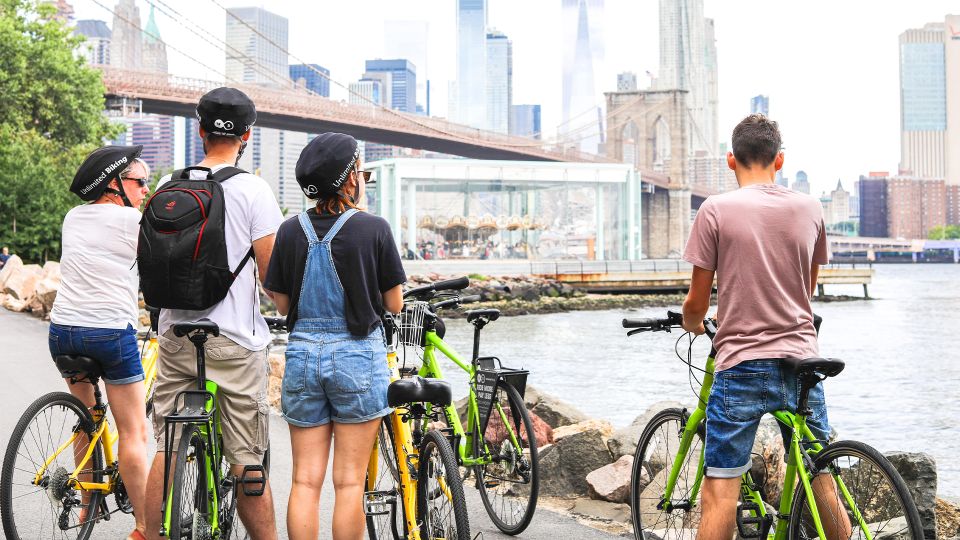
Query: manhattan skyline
(833, 84)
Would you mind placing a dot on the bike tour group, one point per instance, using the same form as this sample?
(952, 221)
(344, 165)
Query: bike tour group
(400, 452)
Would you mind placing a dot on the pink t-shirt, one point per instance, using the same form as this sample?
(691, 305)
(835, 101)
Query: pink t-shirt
(762, 241)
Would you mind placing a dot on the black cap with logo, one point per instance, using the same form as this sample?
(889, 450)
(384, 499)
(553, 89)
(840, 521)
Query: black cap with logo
(101, 166)
(227, 112)
(325, 163)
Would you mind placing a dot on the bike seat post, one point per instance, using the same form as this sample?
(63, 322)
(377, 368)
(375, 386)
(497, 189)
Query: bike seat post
(477, 326)
(199, 338)
(807, 382)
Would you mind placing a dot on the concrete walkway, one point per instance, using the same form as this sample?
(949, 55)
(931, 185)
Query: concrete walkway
(27, 372)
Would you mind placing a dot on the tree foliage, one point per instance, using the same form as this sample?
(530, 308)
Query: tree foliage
(948, 232)
(51, 117)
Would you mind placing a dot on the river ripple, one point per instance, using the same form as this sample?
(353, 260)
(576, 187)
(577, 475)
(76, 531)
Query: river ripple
(898, 392)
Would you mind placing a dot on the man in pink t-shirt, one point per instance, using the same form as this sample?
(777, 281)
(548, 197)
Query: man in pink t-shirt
(765, 244)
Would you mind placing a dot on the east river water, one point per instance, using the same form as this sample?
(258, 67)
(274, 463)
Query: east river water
(899, 391)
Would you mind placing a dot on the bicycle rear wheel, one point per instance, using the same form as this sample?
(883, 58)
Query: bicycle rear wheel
(50, 508)
(509, 485)
(441, 505)
(877, 496)
(383, 503)
(657, 448)
(189, 510)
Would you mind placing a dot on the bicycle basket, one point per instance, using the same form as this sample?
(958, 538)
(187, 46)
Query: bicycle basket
(410, 324)
(489, 374)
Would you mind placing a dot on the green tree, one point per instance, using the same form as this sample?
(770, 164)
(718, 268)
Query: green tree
(51, 117)
(948, 232)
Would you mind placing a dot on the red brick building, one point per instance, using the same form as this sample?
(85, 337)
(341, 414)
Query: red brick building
(914, 206)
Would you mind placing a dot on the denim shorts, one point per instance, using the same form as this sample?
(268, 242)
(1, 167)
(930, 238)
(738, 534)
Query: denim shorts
(115, 349)
(334, 376)
(740, 396)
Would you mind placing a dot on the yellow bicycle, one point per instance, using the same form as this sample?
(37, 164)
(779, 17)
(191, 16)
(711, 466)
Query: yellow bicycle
(414, 489)
(60, 464)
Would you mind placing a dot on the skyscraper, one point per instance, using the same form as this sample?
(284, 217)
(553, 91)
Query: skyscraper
(96, 45)
(688, 61)
(307, 75)
(469, 94)
(582, 115)
(403, 82)
(760, 104)
(154, 49)
(923, 101)
(525, 120)
(193, 145)
(367, 92)
(155, 133)
(801, 183)
(126, 44)
(499, 81)
(256, 46)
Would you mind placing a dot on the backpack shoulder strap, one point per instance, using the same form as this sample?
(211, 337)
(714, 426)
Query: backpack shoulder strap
(227, 172)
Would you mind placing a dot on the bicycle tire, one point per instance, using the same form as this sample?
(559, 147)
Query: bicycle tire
(393, 525)
(189, 504)
(905, 516)
(237, 530)
(524, 464)
(438, 464)
(651, 467)
(25, 444)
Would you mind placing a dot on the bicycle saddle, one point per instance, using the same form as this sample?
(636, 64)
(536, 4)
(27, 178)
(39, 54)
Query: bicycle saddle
(209, 327)
(419, 390)
(491, 314)
(74, 365)
(825, 367)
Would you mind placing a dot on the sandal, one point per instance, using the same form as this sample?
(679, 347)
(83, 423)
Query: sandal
(136, 535)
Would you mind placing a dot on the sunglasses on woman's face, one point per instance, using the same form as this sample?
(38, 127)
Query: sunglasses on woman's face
(141, 181)
(366, 176)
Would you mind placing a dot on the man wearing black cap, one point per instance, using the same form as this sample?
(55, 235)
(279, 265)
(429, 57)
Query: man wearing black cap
(236, 359)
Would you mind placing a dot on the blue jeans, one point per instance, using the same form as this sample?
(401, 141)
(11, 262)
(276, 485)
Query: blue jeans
(116, 350)
(740, 396)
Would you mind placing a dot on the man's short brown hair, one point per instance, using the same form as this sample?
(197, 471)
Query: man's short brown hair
(756, 141)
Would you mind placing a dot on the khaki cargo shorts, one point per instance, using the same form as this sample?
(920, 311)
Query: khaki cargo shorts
(241, 375)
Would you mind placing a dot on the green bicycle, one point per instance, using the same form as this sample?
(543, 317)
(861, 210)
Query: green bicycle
(200, 494)
(498, 445)
(846, 489)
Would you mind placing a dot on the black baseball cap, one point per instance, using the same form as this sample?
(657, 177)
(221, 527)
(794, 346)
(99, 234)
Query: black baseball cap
(227, 112)
(325, 163)
(101, 166)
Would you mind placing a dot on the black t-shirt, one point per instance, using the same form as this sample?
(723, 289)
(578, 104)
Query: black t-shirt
(364, 254)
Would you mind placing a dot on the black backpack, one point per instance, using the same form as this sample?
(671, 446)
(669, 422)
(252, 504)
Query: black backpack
(182, 250)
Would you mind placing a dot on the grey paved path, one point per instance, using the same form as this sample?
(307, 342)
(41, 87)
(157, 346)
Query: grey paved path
(26, 372)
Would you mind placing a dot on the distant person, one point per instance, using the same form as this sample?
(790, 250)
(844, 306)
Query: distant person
(95, 313)
(334, 271)
(4, 256)
(236, 359)
(765, 243)
(408, 253)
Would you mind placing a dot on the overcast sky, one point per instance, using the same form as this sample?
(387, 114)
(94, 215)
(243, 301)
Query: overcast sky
(829, 67)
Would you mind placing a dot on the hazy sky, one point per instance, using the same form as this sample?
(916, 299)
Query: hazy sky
(830, 67)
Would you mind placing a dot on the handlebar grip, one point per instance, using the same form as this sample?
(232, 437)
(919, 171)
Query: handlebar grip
(641, 323)
(456, 284)
(470, 299)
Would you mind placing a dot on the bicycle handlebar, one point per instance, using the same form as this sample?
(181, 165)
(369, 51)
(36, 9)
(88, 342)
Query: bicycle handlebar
(276, 323)
(672, 320)
(451, 302)
(457, 284)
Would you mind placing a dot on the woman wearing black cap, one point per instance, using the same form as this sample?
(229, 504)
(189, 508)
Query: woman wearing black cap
(95, 313)
(334, 271)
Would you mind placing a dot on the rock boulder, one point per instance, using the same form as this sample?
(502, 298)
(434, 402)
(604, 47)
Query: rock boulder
(21, 283)
(46, 293)
(564, 465)
(612, 482)
(13, 265)
(624, 441)
(556, 413)
(919, 471)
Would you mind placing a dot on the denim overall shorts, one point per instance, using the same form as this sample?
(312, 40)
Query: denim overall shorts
(330, 373)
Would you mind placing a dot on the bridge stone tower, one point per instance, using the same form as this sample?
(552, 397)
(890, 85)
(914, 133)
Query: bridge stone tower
(651, 130)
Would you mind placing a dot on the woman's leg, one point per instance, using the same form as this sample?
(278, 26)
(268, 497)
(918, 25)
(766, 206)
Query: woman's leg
(311, 450)
(127, 401)
(351, 455)
(84, 392)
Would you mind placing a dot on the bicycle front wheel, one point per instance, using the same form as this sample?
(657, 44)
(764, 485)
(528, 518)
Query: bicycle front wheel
(510, 483)
(50, 507)
(858, 494)
(189, 511)
(653, 516)
(441, 506)
(383, 498)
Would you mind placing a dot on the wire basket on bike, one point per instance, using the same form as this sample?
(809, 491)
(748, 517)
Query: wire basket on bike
(410, 331)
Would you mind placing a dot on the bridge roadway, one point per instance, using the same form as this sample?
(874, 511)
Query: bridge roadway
(27, 372)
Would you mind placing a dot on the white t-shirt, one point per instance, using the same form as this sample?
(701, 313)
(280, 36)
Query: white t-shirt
(251, 214)
(99, 283)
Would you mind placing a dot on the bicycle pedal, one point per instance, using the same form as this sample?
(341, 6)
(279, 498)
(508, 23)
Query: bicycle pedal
(378, 504)
(258, 481)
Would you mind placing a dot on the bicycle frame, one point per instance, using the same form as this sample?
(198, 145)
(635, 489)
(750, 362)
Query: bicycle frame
(101, 432)
(405, 454)
(797, 457)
